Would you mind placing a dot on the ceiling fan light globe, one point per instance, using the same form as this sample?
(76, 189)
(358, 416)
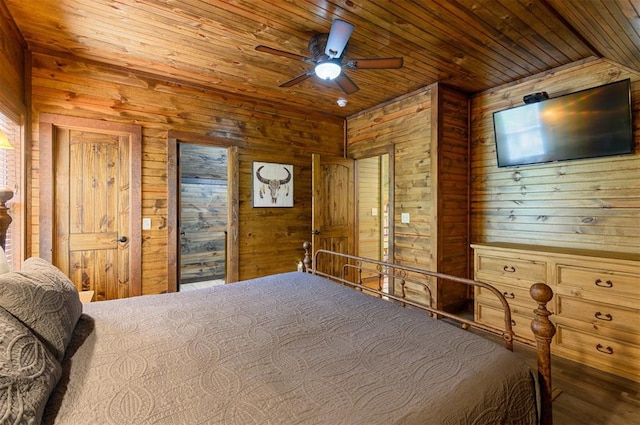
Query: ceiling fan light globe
(328, 70)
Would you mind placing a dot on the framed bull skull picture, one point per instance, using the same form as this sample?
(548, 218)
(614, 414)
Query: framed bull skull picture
(272, 185)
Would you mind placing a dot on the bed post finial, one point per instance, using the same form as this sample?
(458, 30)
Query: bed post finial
(544, 330)
(307, 256)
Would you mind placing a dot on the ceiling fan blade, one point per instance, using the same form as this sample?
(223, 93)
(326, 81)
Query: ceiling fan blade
(346, 84)
(374, 63)
(300, 78)
(266, 49)
(338, 38)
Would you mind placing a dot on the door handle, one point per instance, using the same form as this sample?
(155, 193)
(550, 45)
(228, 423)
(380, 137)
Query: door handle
(122, 239)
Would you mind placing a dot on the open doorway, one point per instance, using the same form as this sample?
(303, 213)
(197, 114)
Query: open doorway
(203, 204)
(174, 140)
(375, 212)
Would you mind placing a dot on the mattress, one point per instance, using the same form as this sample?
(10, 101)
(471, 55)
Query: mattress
(292, 348)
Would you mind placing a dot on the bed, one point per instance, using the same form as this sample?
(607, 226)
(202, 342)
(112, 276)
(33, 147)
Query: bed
(293, 348)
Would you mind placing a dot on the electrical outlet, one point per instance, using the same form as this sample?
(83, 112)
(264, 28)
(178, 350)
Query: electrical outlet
(404, 217)
(146, 223)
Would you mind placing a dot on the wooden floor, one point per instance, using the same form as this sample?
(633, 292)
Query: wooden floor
(589, 396)
(200, 285)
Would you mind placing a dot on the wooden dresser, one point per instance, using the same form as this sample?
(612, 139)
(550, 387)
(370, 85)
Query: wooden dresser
(596, 301)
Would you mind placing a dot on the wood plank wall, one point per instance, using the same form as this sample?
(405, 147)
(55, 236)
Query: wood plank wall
(588, 204)
(12, 75)
(403, 125)
(451, 220)
(270, 239)
(428, 132)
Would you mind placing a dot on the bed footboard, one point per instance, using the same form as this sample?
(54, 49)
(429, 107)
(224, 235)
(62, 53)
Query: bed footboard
(544, 330)
(352, 270)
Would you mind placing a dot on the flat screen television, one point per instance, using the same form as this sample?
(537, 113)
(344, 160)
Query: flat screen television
(586, 124)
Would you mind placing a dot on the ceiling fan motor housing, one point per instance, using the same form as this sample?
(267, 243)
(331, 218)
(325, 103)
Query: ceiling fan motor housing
(317, 45)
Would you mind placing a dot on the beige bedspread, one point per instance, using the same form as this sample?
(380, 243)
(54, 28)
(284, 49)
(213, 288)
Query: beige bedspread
(285, 349)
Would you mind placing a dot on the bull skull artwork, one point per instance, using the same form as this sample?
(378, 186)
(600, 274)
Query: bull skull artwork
(274, 185)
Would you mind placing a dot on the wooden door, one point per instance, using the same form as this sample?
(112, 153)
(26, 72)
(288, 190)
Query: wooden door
(96, 208)
(333, 211)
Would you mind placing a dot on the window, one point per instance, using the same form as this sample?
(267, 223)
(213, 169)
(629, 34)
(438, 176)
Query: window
(11, 178)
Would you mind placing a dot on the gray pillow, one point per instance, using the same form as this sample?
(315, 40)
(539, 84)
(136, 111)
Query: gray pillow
(28, 373)
(45, 300)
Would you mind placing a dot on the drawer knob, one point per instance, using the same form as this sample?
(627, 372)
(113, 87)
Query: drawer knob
(509, 269)
(509, 295)
(605, 350)
(600, 283)
(606, 317)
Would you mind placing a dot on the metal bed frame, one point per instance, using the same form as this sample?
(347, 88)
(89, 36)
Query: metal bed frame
(352, 271)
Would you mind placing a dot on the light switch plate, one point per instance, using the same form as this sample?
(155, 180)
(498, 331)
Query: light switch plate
(404, 217)
(146, 223)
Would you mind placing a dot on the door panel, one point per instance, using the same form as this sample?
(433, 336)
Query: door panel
(92, 211)
(92, 231)
(333, 216)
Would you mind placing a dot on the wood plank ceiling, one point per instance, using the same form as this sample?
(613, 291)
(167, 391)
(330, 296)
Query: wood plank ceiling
(473, 45)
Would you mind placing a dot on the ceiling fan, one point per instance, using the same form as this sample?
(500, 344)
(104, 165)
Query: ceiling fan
(328, 64)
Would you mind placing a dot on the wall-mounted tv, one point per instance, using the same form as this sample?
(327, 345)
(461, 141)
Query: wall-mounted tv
(586, 124)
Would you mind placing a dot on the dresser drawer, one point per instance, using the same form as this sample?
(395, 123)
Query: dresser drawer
(601, 282)
(596, 301)
(604, 353)
(492, 266)
(494, 316)
(515, 295)
(598, 314)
